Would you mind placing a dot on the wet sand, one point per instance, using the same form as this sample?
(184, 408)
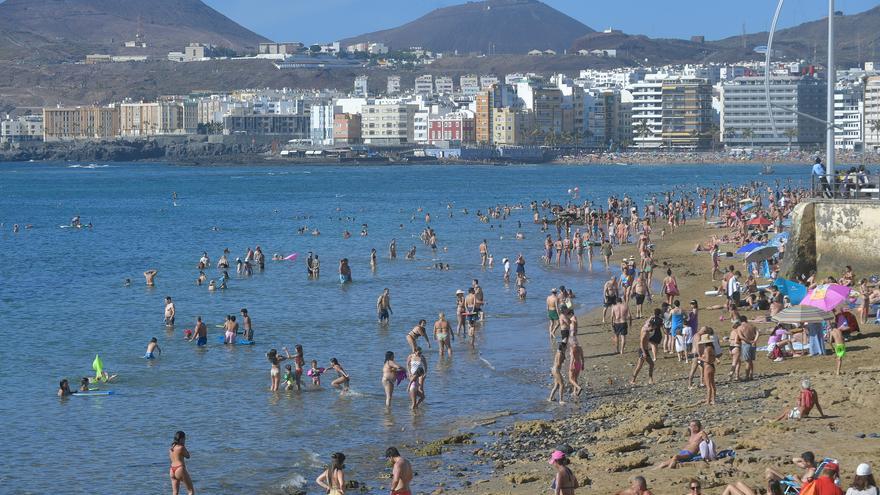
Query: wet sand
(619, 431)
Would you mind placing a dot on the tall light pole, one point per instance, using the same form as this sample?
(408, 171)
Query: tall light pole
(832, 81)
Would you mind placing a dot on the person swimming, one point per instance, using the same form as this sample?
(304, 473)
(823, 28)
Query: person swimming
(152, 349)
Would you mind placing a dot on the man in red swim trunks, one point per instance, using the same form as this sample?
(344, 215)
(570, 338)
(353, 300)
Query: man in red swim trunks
(401, 474)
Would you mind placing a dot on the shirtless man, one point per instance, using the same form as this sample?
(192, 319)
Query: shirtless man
(484, 253)
(392, 249)
(247, 325)
(645, 353)
(691, 448)
(401, 472)
(639, 487)
(620, 320)
(150, 276)
(553, 312)
(383, 306)
(748, 337)
(478, 299)
(169, 312)
(200, 333)
(610, 293)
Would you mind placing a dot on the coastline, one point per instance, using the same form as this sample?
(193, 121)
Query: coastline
(619, 431)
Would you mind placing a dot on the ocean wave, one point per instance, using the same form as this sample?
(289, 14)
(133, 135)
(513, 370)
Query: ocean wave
(295, 481)
(89, 166)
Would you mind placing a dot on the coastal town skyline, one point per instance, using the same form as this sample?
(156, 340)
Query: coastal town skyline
(658, 20)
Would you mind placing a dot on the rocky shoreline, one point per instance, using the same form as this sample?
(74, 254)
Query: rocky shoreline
(619, 431)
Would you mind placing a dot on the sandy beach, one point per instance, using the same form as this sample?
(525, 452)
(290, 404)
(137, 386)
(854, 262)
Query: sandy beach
(620, 431)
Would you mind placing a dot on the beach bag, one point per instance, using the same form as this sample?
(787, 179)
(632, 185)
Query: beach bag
(775, 353)
(809, 489)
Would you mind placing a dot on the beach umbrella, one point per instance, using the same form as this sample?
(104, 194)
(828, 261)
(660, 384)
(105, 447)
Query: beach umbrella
(827, 296)
(762, 253)
(747, 200)
(748, 248)
(801, 314)
(796, 292)
(779, 238)
(759, 221)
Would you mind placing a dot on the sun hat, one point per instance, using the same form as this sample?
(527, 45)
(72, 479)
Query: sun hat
(459, 291)
(863, 470)
(556, 456)
(705, 339)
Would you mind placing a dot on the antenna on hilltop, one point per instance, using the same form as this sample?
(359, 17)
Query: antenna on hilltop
(743, 36)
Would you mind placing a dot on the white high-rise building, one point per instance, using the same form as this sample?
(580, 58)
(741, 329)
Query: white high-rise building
(420, 126)
(745, 120)
(321, 129)
(647, 111)
(360, 87)
(872, 114)
(849, 113)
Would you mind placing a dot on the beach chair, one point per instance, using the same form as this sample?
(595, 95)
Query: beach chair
(792, 486)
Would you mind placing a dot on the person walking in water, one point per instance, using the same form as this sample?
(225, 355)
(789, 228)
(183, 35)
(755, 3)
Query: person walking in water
(383, 306)
(389, 376)
(333, 478)
(178, 472)
(443, 335)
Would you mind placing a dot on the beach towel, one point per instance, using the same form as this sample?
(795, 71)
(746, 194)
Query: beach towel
(720, 455)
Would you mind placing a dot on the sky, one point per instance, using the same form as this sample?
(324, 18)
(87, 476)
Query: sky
(330, 20)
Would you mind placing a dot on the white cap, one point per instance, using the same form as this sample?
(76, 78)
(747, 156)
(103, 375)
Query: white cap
(863, 470)
(459, 291)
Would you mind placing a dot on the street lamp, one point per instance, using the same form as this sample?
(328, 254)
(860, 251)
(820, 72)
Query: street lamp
(831, 79)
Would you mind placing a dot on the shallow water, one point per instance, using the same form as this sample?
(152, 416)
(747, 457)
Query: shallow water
(63, 301)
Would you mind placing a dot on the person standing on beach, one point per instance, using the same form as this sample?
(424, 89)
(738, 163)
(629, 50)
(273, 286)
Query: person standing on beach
(610, 293)
(575, 368)
(645, 351)
(748, 336)
(641, 289)
(383, 306)
(556, 373)
(838, 344)
(150, 276)
(401, 472)
(708, 361)
(178, 472)
(553, 312)
(169, 312)
(620, 321)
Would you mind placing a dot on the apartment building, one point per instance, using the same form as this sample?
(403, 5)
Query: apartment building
(393, 86)
(647, 112)
(871, 120)
(21, 129)
(459, 126)
(388, 123)
(746, 121)
(347, 128)
(849, 115)
(360, 87)
(443, 85)
(469, 85)
(424, 84)
(508, 126)
(686, 115)
(487, 102)
(90, 122)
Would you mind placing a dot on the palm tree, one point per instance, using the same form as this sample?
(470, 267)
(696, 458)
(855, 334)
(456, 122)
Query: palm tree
(643, 130)
(790, 133)
(714, 133)
(749, 134)
(875, 128)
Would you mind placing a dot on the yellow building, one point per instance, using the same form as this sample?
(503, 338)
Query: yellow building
(91, 122)
(158, 118)
(508, 126)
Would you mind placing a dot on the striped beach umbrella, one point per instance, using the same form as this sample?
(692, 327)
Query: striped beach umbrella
(802, 314)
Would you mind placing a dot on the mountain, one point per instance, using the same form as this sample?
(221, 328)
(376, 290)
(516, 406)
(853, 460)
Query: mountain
(857, 39)
(63, 30)
(490, 26)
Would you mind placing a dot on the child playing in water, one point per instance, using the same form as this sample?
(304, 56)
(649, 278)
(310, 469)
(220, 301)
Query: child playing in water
(315, 373)
(288, 378)
(152, 349)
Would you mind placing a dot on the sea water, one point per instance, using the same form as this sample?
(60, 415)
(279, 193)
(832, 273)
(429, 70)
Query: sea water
(63, 301)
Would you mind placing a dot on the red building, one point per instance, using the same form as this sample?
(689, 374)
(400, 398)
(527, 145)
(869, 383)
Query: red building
(454, 126)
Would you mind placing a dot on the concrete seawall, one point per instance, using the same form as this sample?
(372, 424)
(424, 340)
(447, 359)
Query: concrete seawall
(827, 235)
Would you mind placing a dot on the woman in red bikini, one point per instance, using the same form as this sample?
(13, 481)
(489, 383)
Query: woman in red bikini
(178, 471)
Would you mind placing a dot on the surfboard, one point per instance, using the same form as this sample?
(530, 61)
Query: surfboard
(94, 393)
(220, 338)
